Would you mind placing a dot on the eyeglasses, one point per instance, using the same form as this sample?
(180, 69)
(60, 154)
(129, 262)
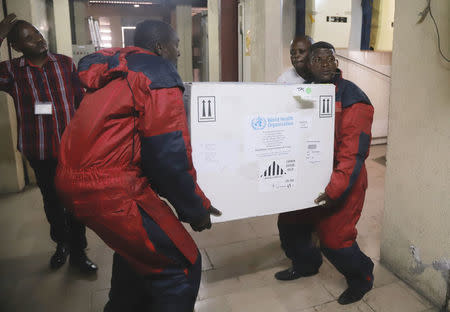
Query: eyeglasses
(327, 60)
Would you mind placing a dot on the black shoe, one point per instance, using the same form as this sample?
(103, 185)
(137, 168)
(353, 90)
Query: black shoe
(353, 294)
(59, 257)
(82, 262)
(291, 274)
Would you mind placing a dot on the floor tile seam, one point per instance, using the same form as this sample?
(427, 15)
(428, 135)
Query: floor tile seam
(275, 263)
(302, 309)
(235, 242)
(235, 291)
(24, 256)
(224, 297)
(370, 307)
(399, 278)
(91, 302)
(416, 293)
(322, 283)
(364, 299)
(253, 229)
(209, 260)
(387, 284)
(317, 305)
(407, 288)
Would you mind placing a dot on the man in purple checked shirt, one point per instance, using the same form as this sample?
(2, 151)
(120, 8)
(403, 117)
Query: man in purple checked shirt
(46, 91)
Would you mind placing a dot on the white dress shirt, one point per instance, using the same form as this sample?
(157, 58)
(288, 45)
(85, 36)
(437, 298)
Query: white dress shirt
(290, 76)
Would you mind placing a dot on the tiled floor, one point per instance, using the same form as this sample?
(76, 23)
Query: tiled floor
(240, 259)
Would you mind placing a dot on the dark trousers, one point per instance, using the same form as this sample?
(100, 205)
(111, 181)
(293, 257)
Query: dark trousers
(296, 241)
(63, 227)
(173, 290)
(306, 258)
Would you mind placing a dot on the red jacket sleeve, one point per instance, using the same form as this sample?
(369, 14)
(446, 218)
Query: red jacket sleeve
(166, 153)
(353, 141)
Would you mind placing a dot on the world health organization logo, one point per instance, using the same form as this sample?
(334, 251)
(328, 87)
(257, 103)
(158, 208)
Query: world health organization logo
(259, 123)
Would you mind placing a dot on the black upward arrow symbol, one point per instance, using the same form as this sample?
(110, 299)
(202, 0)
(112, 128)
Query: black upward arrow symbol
(204, 112)
(209, 108)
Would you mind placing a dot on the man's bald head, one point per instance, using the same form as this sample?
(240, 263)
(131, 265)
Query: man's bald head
(159, 38)
(306, 39)
(299, 54)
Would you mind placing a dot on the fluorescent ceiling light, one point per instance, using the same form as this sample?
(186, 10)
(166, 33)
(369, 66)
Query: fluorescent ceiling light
(130, 2)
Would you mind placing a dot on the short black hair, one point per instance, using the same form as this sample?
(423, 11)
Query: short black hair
(150, 32)
(321, 45)
(13, 35)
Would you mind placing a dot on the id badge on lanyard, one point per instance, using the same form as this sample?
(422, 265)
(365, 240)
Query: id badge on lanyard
(43, 108)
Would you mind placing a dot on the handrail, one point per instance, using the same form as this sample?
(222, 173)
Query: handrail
(353, 61)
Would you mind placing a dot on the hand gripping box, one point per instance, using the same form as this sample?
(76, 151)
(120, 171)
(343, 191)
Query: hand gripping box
(261, 148)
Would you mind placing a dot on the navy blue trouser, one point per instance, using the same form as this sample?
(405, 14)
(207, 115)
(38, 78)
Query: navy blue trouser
(306, 258)
(172, 290)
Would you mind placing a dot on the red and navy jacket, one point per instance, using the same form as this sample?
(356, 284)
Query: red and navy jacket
(353, 123)
(128, 143)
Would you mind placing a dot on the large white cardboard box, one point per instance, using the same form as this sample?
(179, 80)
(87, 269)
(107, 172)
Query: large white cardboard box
(259, 148)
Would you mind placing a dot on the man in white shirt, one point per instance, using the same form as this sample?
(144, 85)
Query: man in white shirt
(288, 225)
(299, 52)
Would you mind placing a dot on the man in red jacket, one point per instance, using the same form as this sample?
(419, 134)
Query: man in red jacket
(128, 145)
(343, 199)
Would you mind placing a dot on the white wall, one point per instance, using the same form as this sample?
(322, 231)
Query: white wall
(338, 34)
(11, 163)
(81, 25)
(213, 40)
(370, 71)
(257, 34)
(34, 11)
(11, 168)
(62, 27)
(269, 26)
(39, 16)
(417, 199)
(288, 31)
(184, 30)
(273, 39)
